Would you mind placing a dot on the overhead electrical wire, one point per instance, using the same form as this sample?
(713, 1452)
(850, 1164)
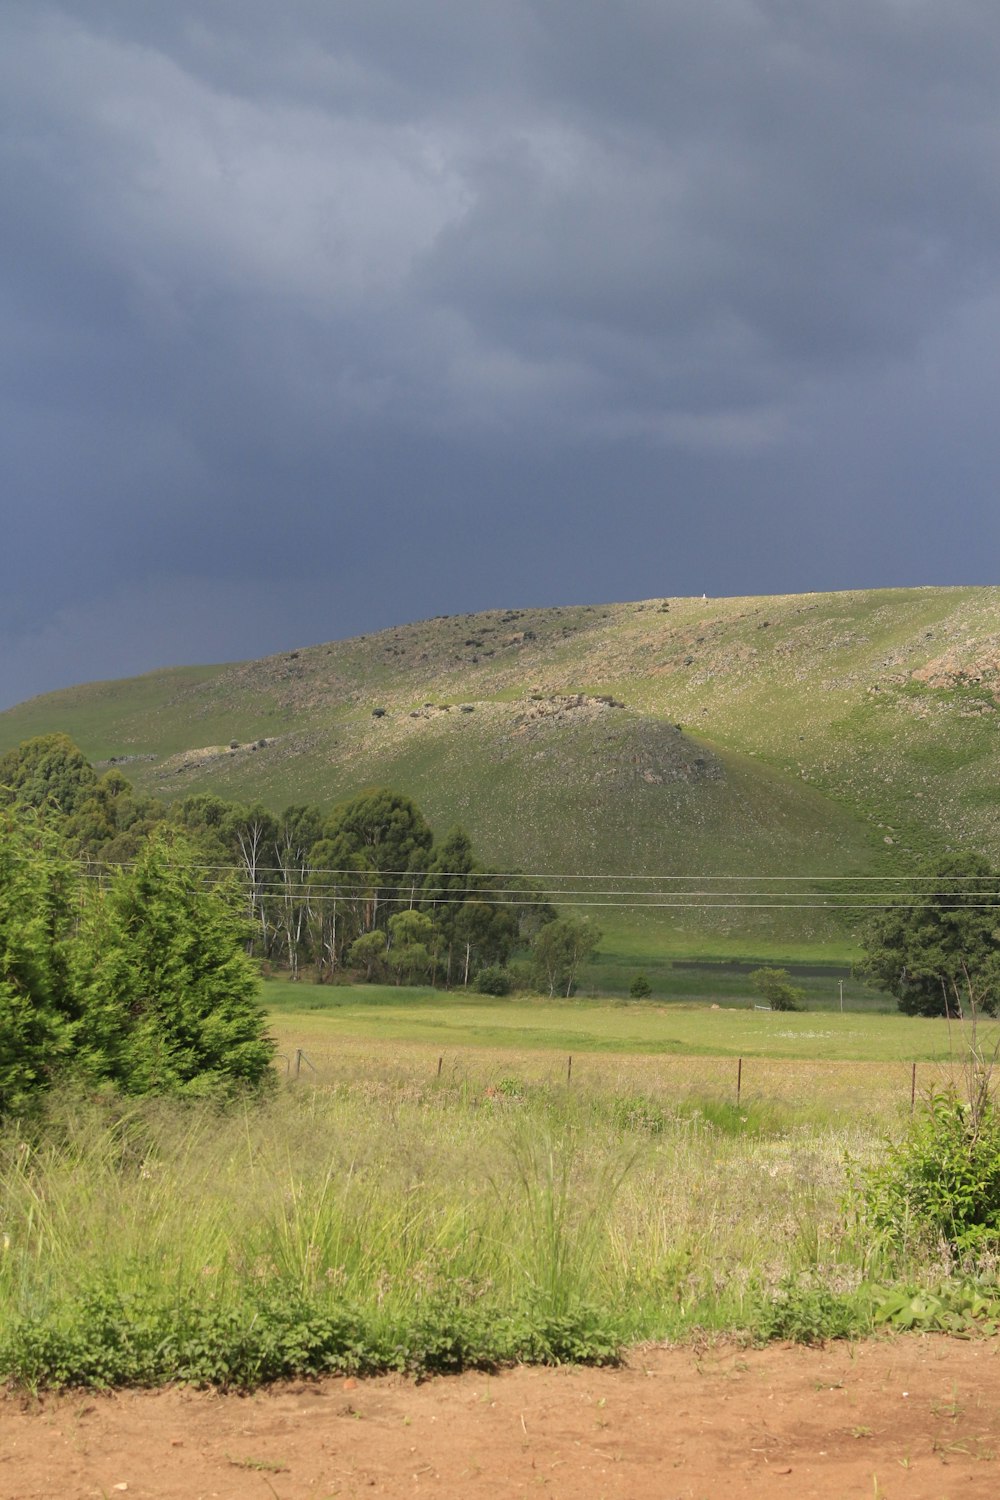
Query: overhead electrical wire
(415, 892)
(348, 870)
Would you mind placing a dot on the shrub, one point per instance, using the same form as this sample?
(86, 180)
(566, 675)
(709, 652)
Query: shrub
(640, 988)
(494, 980)
(942, 1182)
(804, 1312)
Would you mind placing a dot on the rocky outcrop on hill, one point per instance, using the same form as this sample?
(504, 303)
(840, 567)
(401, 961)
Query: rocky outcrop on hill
(980, 669)
(561, 708)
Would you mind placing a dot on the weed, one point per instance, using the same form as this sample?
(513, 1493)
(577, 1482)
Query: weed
(261, 1465)
(638, 1112)
(508, 1088)
(806, 1312)
(951, 1409)
(957, 1307)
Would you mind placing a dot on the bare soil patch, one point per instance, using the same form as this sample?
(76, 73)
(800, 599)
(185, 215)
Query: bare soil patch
(905, 1419)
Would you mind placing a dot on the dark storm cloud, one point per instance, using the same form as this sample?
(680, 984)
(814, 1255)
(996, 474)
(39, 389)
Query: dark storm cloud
(319, 316)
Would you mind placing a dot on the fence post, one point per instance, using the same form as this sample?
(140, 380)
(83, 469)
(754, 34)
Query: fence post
(739, 1080)
(913, 1088)
(298, 1061)
(440, 1065)
(569, 1068)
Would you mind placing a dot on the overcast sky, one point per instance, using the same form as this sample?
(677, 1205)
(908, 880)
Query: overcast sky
(322, 315)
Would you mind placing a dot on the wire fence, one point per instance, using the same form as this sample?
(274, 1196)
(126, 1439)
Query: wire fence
(849, 1087)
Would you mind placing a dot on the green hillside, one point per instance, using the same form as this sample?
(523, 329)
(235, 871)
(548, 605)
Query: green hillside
(795, 735)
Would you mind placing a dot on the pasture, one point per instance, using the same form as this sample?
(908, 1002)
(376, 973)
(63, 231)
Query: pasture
(395, 1014)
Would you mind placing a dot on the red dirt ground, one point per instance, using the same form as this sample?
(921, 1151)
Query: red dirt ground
(905, 1419)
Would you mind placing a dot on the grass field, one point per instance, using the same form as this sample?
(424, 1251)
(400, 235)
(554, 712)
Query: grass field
(328, 1014)
(829, 1068)
(436, 1189)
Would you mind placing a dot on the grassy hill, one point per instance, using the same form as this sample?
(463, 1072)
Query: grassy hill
(795, 735)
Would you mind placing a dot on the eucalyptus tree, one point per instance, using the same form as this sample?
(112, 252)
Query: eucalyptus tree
(298, 831)
(378, 846)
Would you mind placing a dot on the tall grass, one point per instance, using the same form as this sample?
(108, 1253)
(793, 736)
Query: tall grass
(380, 1224)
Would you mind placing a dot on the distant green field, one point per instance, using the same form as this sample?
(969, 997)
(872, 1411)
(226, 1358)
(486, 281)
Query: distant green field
(715, 970)
(389, 1014)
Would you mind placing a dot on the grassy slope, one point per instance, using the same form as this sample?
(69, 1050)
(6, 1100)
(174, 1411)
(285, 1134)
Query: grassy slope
(821, 733)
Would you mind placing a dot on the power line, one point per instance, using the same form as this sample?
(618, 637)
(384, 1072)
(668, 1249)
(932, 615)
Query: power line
(308, 892)
(400, 875)
(760, 892)
(420, 890)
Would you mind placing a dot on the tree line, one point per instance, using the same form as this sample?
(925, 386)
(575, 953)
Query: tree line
(368, 889)
(364, 888)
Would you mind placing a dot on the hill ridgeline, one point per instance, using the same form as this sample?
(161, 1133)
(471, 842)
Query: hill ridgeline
(800, 735)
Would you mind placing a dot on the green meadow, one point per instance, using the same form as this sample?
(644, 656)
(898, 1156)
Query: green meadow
(389, 1014)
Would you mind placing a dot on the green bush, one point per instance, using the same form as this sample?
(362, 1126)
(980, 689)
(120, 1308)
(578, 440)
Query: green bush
(942, 1182)
(113, 1339)
(142, 983)
(493, 980)
(640, 988)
